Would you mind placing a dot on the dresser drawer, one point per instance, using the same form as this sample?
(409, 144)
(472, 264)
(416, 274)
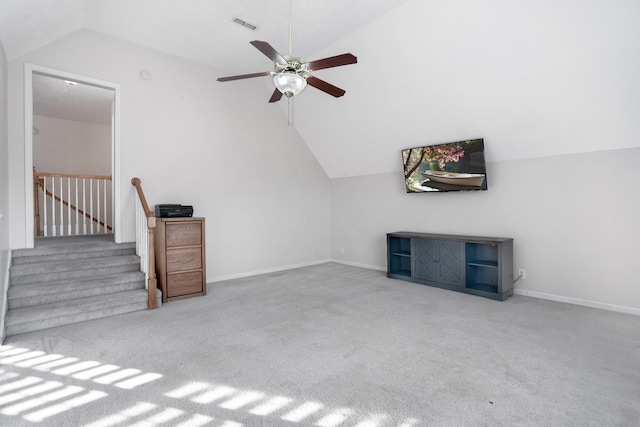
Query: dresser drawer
(180, 259)
(179, 284)
(183, 234)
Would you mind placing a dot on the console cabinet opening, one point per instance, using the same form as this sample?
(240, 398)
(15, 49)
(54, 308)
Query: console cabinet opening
(482, 266)
(400, 256)
(476, 265)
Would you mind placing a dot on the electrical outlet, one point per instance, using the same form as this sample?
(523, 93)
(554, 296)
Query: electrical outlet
(341, 249)
(522, 273)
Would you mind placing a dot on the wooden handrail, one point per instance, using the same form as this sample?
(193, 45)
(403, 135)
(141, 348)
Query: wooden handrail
(136, 183)
(151, 224)
(72, 175)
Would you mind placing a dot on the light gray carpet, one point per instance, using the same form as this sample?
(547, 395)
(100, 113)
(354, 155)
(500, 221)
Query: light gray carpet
(329, 346)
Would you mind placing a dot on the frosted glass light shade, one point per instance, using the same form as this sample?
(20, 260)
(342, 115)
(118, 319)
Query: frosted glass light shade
(290, 84)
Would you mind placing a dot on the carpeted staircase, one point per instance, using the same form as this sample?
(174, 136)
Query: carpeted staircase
(70, 280)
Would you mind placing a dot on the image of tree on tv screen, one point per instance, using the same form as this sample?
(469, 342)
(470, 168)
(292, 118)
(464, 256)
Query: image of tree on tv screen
(458, 157)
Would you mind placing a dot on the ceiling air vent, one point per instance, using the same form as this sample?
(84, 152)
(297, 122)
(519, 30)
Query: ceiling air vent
(244, 24)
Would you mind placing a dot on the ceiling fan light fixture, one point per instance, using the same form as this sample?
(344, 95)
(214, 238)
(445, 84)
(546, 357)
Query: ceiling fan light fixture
(290, 84)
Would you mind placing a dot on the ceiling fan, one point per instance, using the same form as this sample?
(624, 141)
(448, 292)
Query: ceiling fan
(291, 73)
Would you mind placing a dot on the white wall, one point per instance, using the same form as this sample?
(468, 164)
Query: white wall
(219, 147)
(68, 146)
(552, 88)
(573, 218)
(4, 192)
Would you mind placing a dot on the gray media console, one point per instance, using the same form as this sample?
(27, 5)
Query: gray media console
(475, 265)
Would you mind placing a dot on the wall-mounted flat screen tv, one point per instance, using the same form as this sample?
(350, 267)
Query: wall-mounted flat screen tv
(455, 166)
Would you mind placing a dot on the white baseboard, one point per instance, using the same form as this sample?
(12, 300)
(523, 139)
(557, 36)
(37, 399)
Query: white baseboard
(357, 264)
(523, 292)
(268, 270)
(578, 301)
(533, 294)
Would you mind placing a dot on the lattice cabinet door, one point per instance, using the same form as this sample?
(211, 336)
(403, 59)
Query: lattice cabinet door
(451, 266)
(425, 258)
(438, 261)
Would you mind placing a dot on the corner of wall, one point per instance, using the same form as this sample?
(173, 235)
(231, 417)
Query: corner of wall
(5, 252)
(5, 262)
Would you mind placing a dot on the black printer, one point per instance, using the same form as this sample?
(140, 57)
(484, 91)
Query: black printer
(173, 211)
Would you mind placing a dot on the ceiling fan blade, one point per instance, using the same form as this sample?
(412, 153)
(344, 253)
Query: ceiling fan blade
(269, 51)
(325, 87)
(333, 61)
(244, 76)
(277, 95)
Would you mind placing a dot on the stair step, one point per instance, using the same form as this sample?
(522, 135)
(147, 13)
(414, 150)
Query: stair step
(28, 314)
(52, 256)
(61, 270)
(71, 244)
(31, 319)
(45, 293)
(66, 280)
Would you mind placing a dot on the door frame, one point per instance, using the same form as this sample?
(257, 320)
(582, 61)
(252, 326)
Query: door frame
(29, 70)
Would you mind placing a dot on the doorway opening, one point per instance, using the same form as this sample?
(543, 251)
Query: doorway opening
(71, 156)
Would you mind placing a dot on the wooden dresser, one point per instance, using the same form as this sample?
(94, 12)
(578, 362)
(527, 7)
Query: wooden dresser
(180, 257)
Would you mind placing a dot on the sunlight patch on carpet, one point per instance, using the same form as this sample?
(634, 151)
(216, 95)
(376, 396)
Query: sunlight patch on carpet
(37, 398)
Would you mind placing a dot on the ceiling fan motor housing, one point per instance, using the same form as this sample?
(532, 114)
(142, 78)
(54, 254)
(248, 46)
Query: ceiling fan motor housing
(294, 65)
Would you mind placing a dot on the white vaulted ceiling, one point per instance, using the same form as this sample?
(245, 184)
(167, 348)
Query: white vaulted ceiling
(27, 25)
(200, 30)
(532, 77)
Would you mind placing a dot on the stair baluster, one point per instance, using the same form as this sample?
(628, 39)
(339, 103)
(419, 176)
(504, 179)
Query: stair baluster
(65, 190)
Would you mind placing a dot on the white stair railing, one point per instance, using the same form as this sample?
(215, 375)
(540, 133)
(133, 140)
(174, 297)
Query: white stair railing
(72, 204)
(142, 238)
(145, 225)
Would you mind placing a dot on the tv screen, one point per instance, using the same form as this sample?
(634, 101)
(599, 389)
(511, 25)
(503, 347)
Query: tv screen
(455, 166)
